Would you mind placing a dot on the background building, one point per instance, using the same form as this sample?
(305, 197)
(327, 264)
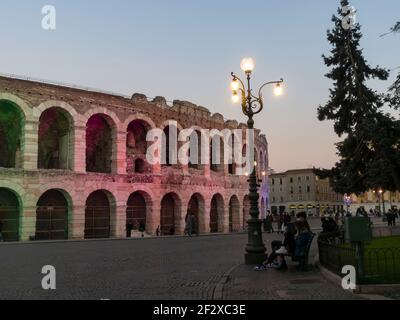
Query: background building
(301, 190)
(372, 200)
(73, 166)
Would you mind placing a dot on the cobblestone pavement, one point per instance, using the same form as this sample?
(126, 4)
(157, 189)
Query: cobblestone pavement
(156, 269)
(246, 284)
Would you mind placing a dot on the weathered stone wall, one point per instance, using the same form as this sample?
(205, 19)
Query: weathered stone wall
(29, 183)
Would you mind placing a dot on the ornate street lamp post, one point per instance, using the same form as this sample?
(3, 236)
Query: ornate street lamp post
(252, 105)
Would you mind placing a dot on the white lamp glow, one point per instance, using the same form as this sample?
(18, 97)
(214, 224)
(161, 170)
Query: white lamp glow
(247, 65)
(278, 90)
(235, 85)
(235, 97)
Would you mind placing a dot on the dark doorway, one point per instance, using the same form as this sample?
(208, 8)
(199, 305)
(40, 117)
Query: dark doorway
(98, 145)
(97, 216)
(9, 215)
(168, 210)
(214, 215)
(136, 211)
(52, 216)
(195, 209)
(246, 211)
(55, 135)
(11, 124)
(234, 214)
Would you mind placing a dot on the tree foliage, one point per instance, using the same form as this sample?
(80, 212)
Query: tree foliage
(369, 153)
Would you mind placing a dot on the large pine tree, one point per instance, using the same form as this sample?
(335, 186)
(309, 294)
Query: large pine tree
(369, 153)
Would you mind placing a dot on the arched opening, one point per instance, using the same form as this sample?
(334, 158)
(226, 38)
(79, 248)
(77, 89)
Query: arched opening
(234, 214)
(170, 206)
(195, 150)
(245, 159)
(246, 211)
(171, 146)
(232, 160)
(217, 154)
(52, 216)
(9, 215)
(99, 144)
(136, 145)
(11, 132)
(139, 166)
(196, 208)
(55, 140)
(136, 211)
(217, 214)
(97, 216)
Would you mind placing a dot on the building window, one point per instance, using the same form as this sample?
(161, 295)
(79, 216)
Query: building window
(280, 181)
(308, 189)
(273, 182)
(291, 180)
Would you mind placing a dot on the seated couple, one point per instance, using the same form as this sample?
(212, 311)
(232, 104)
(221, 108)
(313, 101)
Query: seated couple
(297, 238)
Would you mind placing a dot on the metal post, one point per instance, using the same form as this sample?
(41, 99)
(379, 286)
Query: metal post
(359, 246)
(255, 249)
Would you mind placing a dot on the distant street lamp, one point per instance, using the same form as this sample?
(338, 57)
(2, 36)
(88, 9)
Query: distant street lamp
(252, 105)
(347, 202)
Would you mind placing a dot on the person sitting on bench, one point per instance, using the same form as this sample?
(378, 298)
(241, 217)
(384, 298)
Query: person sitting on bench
(294, 246)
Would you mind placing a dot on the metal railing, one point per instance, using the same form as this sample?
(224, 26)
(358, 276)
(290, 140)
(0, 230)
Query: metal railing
(381, 265)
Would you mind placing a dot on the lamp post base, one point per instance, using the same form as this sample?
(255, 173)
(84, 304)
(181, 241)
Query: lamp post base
(255, 250)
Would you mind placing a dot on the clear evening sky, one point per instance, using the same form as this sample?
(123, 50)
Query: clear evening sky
(186, 49)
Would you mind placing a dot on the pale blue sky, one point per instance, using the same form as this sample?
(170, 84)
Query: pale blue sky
(186, 49)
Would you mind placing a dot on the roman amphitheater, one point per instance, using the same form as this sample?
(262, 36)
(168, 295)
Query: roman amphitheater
(73, 166)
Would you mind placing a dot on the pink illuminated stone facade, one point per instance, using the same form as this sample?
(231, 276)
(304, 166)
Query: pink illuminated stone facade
(80, 170)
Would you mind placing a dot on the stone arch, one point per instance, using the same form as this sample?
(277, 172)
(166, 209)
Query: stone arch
(53, 213)
(138, 210)
(16, 188)
(196, 207)
(12, 133)
(217, 213)
(139, 117)
(38, 111)
(101, 140)
(24, 106)
(217, 153)
(10, 213)
(236, 144)
(56, 138)
(234, 214)
(170, 215)
(198, 150)
(110, 116)
(136, 142)
(170, 157)
(100, 214)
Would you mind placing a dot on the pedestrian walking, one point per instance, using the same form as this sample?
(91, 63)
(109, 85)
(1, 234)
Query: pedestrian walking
(158, 231)
(280, 223)
(142, 228)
